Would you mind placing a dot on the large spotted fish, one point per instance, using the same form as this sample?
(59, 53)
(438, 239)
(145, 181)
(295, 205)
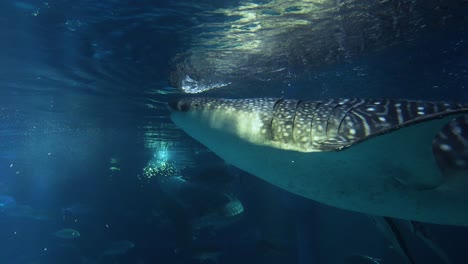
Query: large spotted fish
(394, 158)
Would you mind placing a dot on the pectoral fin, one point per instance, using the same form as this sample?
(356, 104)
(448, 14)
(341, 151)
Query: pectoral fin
(418, 229)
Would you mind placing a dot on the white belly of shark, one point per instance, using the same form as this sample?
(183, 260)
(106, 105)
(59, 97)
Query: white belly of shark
(395, 158)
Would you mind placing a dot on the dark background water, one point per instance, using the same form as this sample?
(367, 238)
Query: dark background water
(81, 83)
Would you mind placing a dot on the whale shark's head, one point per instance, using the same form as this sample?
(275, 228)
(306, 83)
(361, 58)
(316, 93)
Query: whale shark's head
(246, 119)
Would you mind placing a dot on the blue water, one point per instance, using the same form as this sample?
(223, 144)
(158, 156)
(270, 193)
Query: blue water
(82, 87)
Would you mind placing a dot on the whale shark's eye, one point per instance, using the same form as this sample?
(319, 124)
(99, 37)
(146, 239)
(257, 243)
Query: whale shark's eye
(183, 106)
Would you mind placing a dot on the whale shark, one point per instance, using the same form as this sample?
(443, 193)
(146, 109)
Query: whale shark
(403, 159)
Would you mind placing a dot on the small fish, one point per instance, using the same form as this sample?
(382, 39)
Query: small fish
(67, 233)
(233, 208)
(113, 168)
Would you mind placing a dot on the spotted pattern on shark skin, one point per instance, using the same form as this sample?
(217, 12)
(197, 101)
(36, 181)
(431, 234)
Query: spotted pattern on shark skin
(362, 119)
(450, 145)
(283, 120)
(332, 125)
(302, 129)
